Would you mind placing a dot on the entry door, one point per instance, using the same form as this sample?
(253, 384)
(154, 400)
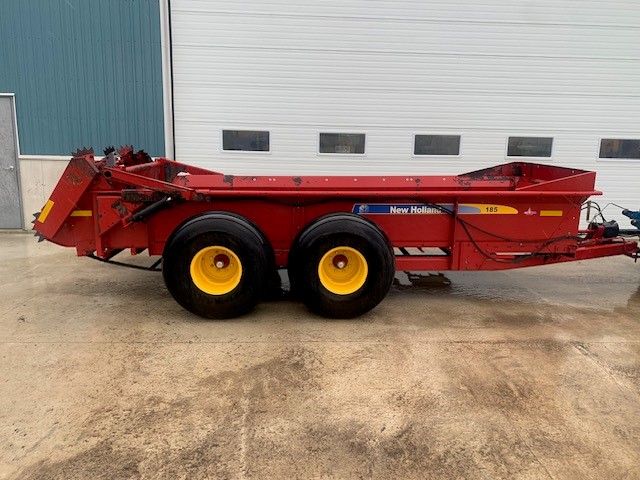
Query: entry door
(10, 209)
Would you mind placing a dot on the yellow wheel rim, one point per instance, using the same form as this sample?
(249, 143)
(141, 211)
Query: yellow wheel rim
(216, 270)
(343, 270)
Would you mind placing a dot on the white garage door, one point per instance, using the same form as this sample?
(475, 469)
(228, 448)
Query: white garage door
(355, 86)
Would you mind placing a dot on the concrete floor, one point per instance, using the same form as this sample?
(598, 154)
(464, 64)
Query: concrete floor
(522, 374)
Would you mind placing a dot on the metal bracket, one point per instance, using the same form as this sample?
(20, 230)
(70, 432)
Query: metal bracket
(152, 268)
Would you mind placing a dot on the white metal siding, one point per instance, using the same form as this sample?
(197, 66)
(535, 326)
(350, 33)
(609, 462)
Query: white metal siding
(569, 69)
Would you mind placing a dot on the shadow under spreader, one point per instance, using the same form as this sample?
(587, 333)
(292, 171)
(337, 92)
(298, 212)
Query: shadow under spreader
(403, 282)
(138, 286)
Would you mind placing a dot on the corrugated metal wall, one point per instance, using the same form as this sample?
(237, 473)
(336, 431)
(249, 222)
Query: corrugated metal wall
(392, 68)
(85, 72)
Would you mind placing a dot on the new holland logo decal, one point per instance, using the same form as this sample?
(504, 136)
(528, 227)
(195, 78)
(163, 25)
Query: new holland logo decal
(427, 209)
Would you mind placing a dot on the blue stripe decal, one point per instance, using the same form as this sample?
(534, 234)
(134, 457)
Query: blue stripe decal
(410, 209)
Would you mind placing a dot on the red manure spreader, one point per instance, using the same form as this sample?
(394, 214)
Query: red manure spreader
(222, 238)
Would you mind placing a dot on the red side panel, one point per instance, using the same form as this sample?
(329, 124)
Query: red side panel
(508, 216)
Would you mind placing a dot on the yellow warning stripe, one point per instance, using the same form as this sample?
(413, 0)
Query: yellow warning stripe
(81, 213)
(489, 209)
(550, 213)
(45, 211)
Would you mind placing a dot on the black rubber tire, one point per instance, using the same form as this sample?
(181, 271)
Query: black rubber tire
(227, 230)
(334, 230)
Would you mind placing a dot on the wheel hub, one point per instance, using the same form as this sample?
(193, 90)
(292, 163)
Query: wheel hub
(340, 261)
(216, 270)
(343, 270)
(221, 261)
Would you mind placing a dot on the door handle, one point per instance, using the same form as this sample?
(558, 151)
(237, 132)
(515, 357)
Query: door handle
(9, 168)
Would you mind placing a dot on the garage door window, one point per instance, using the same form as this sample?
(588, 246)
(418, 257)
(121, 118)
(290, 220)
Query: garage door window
(620, 148)
(529, 147)
(448, 145)
(245, 141)
(342, 143)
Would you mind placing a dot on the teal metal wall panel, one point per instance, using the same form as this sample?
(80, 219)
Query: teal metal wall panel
(85, 73)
